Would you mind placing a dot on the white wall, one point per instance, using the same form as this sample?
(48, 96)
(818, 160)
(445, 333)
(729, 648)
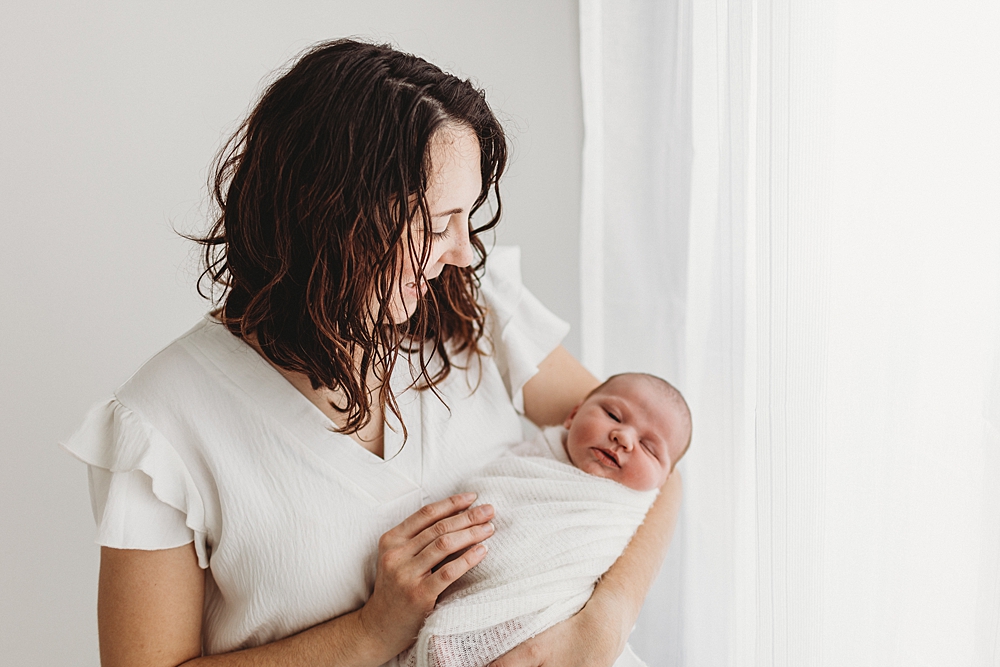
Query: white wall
(111, 114)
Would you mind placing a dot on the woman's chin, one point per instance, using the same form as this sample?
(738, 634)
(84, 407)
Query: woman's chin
(401, 312)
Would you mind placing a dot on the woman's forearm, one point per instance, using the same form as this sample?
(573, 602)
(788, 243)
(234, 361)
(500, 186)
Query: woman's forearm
(150, 602)
(150, 615)
(342, 641)
(619, 594)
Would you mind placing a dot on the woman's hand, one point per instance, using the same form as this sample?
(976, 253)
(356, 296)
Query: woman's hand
(408, 580)
(579, 641)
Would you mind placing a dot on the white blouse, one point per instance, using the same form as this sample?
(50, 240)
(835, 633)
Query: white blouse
(208, 443)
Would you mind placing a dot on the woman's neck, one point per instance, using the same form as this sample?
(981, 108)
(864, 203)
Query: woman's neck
(371, 436)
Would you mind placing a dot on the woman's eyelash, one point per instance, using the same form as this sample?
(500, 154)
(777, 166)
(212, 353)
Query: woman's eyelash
(442, 234)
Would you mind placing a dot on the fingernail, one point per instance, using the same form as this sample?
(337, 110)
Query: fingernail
(467, 497)
(481, 549)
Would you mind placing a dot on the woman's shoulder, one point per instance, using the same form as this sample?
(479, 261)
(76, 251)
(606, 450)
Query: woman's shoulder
(501, 285)
(520, 329)
(186, 363)
(508, 301)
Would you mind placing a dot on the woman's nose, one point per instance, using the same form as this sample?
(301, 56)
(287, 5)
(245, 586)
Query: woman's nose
(459, 253)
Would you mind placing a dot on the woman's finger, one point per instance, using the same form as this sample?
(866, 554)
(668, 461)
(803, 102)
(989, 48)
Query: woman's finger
(443, 546)
(463, 520)
(450, 572)
(430, 514)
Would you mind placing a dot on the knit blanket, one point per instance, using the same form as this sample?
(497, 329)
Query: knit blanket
(558, 530)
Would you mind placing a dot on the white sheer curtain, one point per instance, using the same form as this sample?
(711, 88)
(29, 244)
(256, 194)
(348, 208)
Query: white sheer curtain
(792, 209)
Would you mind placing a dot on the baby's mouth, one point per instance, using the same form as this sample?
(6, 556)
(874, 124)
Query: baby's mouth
(607, 458)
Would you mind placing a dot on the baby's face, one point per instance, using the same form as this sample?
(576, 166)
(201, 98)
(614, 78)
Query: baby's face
(626, 432)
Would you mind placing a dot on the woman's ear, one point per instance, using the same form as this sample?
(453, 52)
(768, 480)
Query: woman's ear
(572, 413)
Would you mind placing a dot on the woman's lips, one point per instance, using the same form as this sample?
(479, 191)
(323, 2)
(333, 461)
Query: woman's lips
(412, 288)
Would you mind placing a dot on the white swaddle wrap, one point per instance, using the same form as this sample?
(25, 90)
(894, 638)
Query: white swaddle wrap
(558, 530)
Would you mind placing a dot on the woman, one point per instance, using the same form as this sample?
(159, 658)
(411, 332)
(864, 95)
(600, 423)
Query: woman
(263, 485)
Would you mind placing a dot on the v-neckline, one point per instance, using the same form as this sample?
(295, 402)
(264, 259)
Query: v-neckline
(397, 472)
(333, 425)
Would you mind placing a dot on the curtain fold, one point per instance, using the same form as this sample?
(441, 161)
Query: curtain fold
(794, 213)
(636, 78)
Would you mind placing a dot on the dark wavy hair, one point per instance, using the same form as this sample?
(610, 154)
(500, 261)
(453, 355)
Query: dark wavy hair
(315, 194)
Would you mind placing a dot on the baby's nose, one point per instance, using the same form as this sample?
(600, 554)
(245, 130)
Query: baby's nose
(624, 437)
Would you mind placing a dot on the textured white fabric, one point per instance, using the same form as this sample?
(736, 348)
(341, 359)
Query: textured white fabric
(557, 530)
(208, 442)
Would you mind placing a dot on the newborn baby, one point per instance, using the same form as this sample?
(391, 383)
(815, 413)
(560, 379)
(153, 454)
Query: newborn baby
(567, 503)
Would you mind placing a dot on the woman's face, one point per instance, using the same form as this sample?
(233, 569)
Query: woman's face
(454, 184)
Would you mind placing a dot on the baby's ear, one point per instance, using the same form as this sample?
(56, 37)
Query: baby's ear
(572, 413)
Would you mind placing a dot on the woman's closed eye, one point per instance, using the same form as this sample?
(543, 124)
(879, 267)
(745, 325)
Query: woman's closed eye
(613, 416)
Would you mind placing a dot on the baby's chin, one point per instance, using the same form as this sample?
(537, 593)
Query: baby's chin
(583, 460)
(650, 486)
(615, 475)
(596, 468)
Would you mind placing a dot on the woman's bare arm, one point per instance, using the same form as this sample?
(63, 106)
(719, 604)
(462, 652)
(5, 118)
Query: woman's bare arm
(561, 383)
(597, 634)
(150, 613)
(149, 606)
(150, 603)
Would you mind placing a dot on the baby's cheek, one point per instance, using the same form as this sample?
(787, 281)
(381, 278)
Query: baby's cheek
(652, 477)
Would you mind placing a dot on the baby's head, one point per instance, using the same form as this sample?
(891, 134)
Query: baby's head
(632, 429)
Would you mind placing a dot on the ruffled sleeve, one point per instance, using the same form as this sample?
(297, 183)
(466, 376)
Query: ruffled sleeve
(141, 492)
(523, 331)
